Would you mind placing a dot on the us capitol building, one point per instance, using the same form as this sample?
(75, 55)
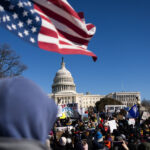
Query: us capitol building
(64, 92)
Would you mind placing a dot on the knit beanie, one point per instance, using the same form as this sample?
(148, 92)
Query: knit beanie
(62, 141)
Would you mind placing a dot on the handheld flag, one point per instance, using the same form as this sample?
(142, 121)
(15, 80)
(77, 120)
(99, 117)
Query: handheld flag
(51, 25)
(134, 112)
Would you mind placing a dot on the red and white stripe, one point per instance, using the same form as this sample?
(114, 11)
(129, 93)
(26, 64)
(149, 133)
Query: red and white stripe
(63, 30)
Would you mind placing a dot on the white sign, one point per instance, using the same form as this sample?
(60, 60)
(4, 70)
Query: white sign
(112, 125)
(64, 128)
(59, 114)
(145, 115)
(131, 121)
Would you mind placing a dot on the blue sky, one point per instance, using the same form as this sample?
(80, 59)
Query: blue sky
(121, 42)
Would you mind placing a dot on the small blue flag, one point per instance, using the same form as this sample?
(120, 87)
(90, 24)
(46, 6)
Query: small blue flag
(134, 112)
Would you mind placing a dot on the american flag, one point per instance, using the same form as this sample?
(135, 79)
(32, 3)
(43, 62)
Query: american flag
(51, 25)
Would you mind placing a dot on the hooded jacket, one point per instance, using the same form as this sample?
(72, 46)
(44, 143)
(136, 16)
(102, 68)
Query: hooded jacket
(26, 113)
(98, 141)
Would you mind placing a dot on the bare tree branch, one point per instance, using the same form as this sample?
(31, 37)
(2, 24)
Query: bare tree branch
(10, 64)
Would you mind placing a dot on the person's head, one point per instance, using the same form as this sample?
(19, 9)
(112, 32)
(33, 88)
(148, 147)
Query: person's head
(84, 142)
(98, 136)
(25, 110)
(62, 141)
(119, 138)
(123, 136)
(69, 141)
(87, 133)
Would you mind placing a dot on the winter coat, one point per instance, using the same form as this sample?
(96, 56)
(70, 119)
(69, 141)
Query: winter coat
(89, 142)
(98, 145)
(60, 147)
(78, 146)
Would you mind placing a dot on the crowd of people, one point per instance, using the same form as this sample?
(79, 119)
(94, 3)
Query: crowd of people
(28, 122)
(94, 134)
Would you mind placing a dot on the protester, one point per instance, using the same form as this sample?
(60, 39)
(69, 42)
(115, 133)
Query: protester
(26, 115)
(120, 144)
(88, 137)
(98, 141)
(61, 145)
(108, 140)
(69, 144)
(85, 145)
(78, 145)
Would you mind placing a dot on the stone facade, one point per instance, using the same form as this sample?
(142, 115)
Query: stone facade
(127, 98)
(64, 92)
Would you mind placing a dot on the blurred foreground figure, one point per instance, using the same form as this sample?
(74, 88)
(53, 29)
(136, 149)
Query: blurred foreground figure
(26, 115)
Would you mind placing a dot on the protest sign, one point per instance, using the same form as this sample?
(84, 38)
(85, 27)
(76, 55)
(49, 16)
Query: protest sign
(85, 117)
(112, 125)
(145, 115)
(131, 121)
(59, 114)
(69, 128)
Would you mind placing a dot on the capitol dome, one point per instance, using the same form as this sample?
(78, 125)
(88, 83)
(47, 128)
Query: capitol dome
(63, 81)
